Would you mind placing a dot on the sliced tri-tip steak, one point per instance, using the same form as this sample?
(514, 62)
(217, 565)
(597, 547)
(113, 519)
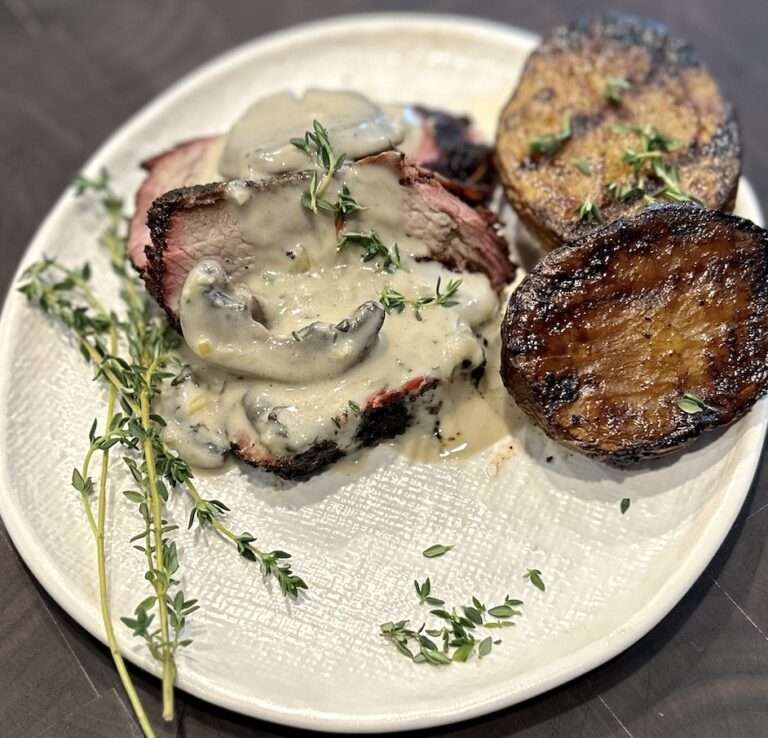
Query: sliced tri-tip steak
(386, 415)
(449, 145)
(194, 223)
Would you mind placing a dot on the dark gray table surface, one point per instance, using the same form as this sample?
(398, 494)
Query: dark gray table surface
(70, 72)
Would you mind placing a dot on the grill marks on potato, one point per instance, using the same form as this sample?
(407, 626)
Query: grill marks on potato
(603, 338)
(566, 77)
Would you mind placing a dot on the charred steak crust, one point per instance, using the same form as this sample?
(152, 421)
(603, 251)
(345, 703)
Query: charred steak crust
(169, 169)
(604, 337)
(387, 415)
(299, 467)
(465, 163)
(566, 75)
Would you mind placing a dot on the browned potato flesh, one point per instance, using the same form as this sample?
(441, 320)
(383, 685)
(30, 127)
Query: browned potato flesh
(642, 334)
(613, 78)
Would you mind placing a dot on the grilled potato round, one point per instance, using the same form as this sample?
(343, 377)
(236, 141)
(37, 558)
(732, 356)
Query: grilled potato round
(610, 115)
(642, 334)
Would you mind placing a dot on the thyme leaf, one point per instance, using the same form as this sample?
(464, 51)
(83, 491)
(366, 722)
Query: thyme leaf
(534, 575)
(614, 89)
(589, 212)
(437, 550)
(692, 404)
(549, 143)
(625, 503)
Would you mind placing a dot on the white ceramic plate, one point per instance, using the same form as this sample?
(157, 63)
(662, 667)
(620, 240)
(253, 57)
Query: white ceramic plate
(357, 534)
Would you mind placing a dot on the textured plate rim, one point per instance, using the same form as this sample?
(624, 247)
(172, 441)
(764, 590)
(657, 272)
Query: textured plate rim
(539, 680)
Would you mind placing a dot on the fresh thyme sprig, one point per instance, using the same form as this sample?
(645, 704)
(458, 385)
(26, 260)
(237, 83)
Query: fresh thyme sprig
(549, 143)
(457, 631)
(654, 177)
(317, 146)
(394, 301)
(373, 248)
(345, 204)
(272, 563)
(66, 294)
(83, 483)
(133, 379)
(669, 175)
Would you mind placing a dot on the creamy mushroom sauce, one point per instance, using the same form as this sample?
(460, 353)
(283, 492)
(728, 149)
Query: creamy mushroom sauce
(258, 144)
(250, 377)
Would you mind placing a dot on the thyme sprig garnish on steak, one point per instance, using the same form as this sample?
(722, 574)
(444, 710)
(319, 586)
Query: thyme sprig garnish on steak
(395, 302)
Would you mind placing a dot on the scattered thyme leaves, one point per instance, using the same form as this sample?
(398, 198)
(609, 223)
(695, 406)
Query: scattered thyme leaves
(437, 550)
(534, 575)
(584, 166)
(625, 503)
(455, 638)
(423, 591)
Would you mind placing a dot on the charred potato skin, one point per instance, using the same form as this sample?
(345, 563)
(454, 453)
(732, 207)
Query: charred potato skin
(566, 75)
(603, 337)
